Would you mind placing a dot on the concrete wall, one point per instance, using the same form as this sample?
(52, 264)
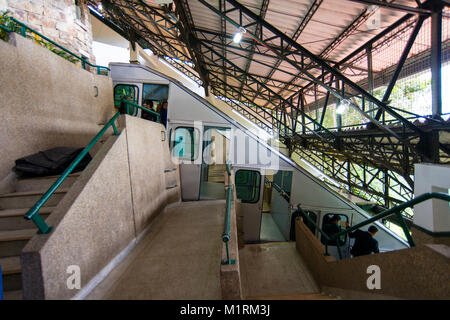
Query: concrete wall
(47, 101)
(104, 212)
(230, 275)
(416, 273)
(432, 215)
(149, 158)
(57, 20)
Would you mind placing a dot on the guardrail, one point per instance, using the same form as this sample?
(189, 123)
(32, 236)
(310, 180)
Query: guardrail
(226, 228)
(395, 210)
(33, 214)
(14, 25)
(130, 104)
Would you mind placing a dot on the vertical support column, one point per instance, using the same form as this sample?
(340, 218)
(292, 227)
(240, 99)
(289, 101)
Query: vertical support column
(386, 189)
(349, 177)
(134, 52)
(338, 116)
(369, 77)
(302, 102)
(436, 59)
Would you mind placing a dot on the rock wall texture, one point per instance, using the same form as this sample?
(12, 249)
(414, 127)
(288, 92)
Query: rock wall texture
(67, 22)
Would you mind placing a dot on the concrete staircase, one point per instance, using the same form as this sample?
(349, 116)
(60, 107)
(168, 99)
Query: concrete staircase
(15, 231)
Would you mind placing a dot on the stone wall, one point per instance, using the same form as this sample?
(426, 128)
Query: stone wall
(62, 21)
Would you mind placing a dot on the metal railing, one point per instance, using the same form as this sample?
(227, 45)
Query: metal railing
(395, 210)
(33, 214)
(22, 29)
(226, 236)
(133, 107)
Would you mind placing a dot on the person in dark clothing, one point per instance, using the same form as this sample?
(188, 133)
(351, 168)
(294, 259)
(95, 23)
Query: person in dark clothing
(164, 113)
(364, 242)
(332, 227)
(148, 115)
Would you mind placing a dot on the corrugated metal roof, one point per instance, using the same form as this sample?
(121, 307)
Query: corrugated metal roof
(330, 29)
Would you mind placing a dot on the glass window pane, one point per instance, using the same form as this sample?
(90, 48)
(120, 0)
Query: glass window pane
(127, 92)
(333, 224)
(185, 144)
(155, 92)
(248, 185)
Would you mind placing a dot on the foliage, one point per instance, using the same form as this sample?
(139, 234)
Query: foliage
(7, 22)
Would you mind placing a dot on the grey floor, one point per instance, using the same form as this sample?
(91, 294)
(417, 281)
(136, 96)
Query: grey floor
(274, 269)
(269, 229)
(179, 258)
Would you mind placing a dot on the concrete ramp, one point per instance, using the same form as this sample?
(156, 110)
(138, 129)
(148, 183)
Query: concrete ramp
(275, 271)
(178, 258)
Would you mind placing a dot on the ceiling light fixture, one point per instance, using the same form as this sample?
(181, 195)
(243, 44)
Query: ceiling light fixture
(238, 36)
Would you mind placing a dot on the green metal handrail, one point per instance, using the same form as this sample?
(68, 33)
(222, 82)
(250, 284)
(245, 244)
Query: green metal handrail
(226, 236)
(135, 105)
(33, 214)
(395, 210)
(23, 30)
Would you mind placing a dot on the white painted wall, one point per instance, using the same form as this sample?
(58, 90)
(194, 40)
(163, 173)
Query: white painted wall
(432, 215)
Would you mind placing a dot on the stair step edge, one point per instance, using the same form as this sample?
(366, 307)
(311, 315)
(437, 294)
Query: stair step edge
(11, 265)
(30, 193)
(17, 235)
(6, 213)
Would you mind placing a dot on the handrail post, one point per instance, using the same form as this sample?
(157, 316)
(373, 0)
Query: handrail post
(41, 224)
(405, 229)
(115, 129)
(227, 219)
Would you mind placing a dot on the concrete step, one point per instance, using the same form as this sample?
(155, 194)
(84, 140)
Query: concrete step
(27, 199)
(304, 296)
(13, 219)
(13, 295)
(12, 242)
(12, 273)
(43, 183)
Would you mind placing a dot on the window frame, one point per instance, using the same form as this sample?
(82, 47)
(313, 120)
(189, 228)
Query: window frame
(259, 186)
(197, 142)
(152, 83)
(322, 239)
(129, 85)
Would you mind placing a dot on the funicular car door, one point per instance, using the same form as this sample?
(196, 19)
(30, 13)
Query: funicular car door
(185, 143)
(249, 189)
